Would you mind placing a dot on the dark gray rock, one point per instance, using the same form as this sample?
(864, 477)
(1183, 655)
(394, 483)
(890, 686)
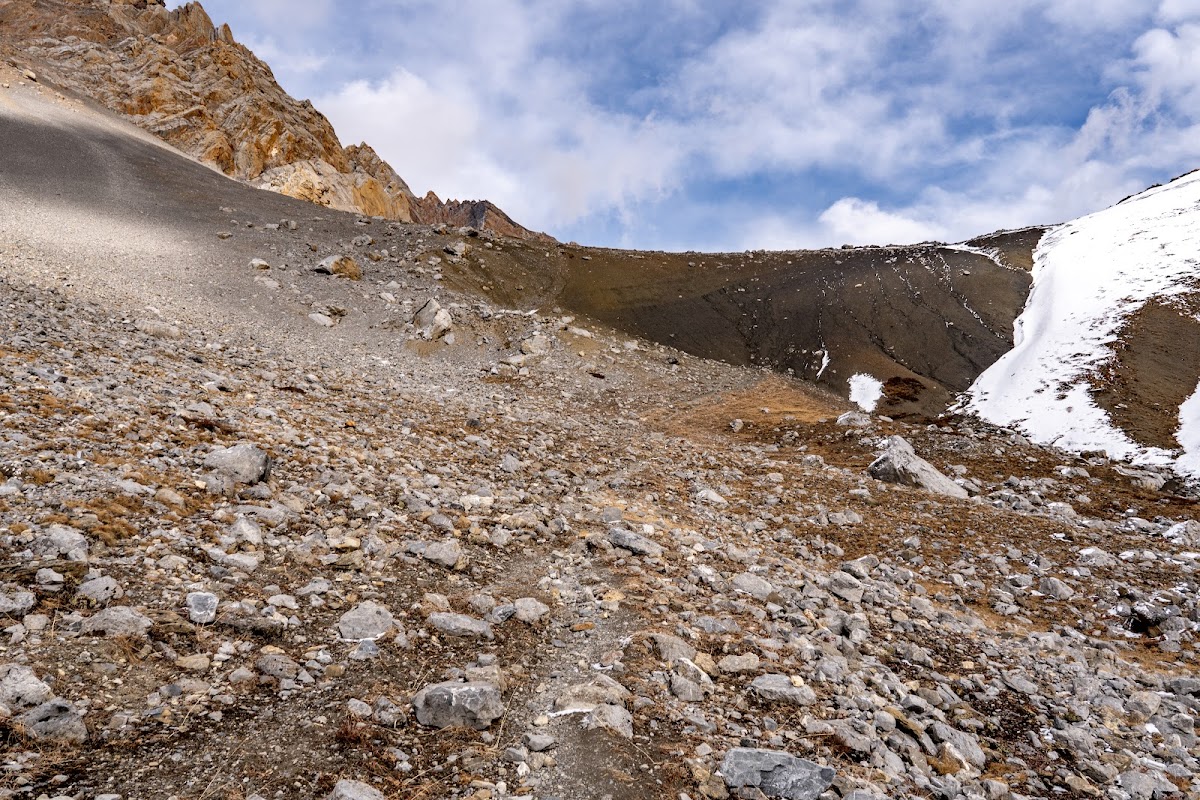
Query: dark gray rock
(450, 705)
(461, 625)
(638, 545)
(775, 774)
(54, 721)
(780, 689)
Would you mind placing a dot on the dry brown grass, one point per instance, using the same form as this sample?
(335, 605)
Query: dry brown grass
(788, 403)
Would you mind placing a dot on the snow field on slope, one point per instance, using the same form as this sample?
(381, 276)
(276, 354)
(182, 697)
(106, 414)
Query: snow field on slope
(1089, 275)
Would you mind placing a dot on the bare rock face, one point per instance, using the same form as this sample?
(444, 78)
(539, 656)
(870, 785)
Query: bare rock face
(479, 214)
(175, 74)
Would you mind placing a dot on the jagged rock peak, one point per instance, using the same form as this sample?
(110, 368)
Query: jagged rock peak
(177, 75)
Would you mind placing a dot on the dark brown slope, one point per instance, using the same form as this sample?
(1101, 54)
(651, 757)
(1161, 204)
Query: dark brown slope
(190, 83)
(924, 319)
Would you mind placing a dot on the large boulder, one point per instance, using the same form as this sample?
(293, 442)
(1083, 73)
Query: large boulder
(432, 321)
(458, 705)
(20, 687)
(54, 721)
(342, 266)
(244, 463)
(61, 541)
(365, 621)
(899, 463)
(775, 774)
(117, 621)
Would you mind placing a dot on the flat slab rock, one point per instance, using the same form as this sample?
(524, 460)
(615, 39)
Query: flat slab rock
(366, 621)
(634, 543)
(453, 704)
(775, 774)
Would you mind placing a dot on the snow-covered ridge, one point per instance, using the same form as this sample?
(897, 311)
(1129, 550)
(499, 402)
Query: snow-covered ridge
(1089, 275)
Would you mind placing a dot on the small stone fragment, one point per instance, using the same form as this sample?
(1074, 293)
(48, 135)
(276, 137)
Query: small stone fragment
(201, 607)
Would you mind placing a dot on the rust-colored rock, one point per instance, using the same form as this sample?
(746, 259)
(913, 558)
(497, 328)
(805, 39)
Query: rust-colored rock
(175, 74)
(480, 214)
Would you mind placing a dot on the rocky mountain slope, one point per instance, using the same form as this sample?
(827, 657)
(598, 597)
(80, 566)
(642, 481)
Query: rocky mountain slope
(302, 504)
(178, 76)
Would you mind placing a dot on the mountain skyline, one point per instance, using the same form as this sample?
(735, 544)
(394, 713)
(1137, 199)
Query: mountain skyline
(727, 126)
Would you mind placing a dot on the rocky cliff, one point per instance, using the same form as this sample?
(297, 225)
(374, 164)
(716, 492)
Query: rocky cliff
(177, 75)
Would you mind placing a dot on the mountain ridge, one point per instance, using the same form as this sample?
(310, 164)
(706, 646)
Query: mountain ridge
(188, 81)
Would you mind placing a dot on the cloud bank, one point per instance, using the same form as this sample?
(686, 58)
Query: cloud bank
(715, 124)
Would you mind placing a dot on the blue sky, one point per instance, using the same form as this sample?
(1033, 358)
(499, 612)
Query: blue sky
(726, 125)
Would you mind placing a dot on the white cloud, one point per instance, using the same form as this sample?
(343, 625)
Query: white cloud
(1175, 11)
(946, 119)
(856, 221)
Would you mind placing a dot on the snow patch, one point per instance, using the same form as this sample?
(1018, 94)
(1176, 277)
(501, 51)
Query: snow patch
(1089, 276)
(865, 392)
(824, 363)
(1189, 434)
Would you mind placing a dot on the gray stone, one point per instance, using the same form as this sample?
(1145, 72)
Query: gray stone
(17, 604)
(461, 625)
(61, 541)
(448, 554)
(449, 705)
(367, 620)
(432, 321)
(899, 463)
(117, 621)
(530, 610)
(354, 790)
(600, 690)
(775, 774)
(20, 687)
(539, 742)
(672, 648)
(244, 463)
(638, 545)
(613, 718)
(201, 607)
(753, 585)
(1056, 589)
(734, 663)
(277, 665)
(781, 689)
(100, 591)
(54, 721)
